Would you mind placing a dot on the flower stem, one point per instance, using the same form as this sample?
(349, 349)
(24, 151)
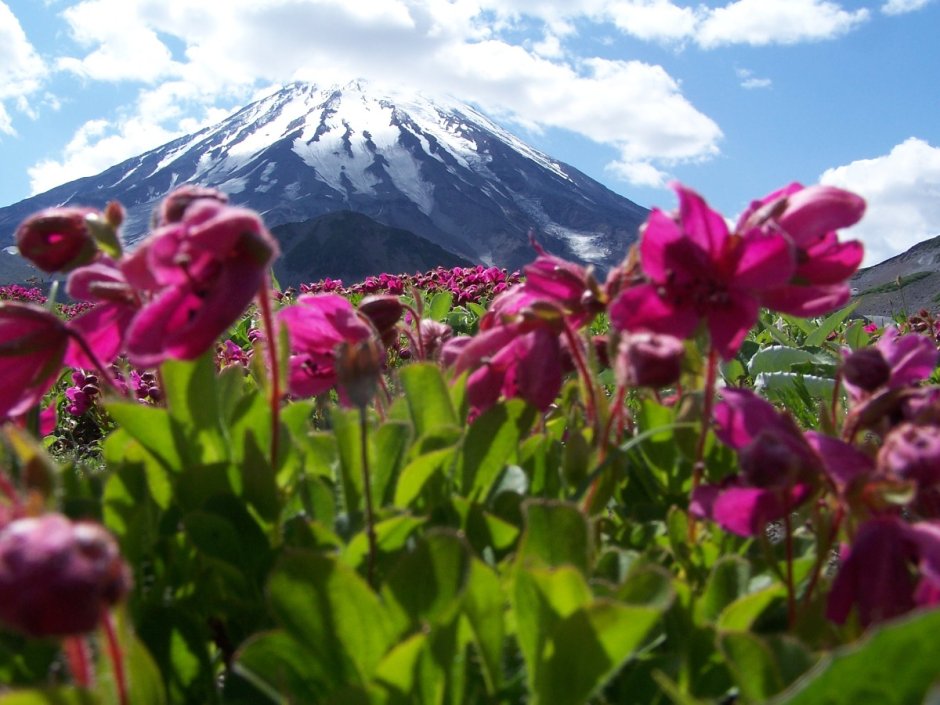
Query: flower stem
(791, 595)
(577, 353)
(264, 301)
(117, 657)
(708, 401)
(76, 655)
(367, 492)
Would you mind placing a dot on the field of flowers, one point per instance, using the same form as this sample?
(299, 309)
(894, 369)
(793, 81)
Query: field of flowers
(701, 480)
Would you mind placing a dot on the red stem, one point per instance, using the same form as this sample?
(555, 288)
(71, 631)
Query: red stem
(264, 299)
(76, 655)
(577, 354)
(791, 596)
(116, 656)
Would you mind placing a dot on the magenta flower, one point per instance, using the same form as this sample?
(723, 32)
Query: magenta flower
(201, 273)
(809, 217)
(33, 342)
(58, 577)
(779, 468)
(57, 239)
(317, 325)
(567, 285)
(904, 360)
(698, 272)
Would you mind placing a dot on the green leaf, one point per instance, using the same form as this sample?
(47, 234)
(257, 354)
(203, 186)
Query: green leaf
(440, 305)
(752, 663)
(819, 335)
(387, 446)
(415, 475)
(588, 647)
(144, 681)
(397, 670)
(427, 583)
(52, 696)
(777, 358)
(491, 441)
(484, 606)
(152, 427)
(282, 668)
(726, 583)
(556, 534)
(325, 605)
(741, 614)
(391, 535)
(428, 399)
(818, 387)
(192, 397)
(894, 664)
(855, 335)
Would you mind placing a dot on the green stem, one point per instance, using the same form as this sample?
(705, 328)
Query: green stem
(711, 379)
(264, 300)
(367, 493)
(791, 594)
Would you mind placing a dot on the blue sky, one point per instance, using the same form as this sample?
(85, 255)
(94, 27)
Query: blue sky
(735, 98)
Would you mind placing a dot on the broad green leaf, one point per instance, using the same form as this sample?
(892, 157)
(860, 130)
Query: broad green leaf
(325, 605)
(192, 397)
(726, 583)
(65, 695)
(391, 535)
(833, 321)
(440, 305)
(349, 444)
(856, 336)
(397, 670)
(556, 533)
(416, 474)
(777, 358)
(741, 614)
(428, 399)
(894, 664)
(491, 441)
(541, 598)
(144, 681)
(484, 607)
(428, 582)
(282, 668)
(588, 647)
(752, 663)
(482, 528)
(818, 387)
(152, 427)
(387, 446)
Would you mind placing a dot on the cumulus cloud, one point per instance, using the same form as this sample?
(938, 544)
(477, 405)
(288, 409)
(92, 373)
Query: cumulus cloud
(903, 193)
(761, 22)
(750, 81)
(23, 69)
(902, 7)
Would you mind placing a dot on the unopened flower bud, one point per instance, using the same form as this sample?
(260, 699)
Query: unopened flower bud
(912, 452)
(866, 369)
(175, 204)
(114, 214)
(649, 360)
(57, 577)
(358, 366)
(384, 312)
(433, 336)
(57, 239)
(771, 460)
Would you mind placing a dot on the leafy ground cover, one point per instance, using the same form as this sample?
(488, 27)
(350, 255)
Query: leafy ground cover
(699, 481)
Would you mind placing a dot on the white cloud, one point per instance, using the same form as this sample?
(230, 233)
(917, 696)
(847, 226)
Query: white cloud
(750, 81)
(903, 193)
(761, 22)
(901, 7)
(23, 69)
(639, 173)
(654, 20)
(435, 45)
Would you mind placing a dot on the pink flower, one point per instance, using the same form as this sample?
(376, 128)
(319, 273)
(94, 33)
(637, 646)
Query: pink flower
(317, 325)
(200, 273)
(779, 468)
(57, 239)
(698, 272)
(565, 284)
(32, 346)
(808, 217)
(904, 360)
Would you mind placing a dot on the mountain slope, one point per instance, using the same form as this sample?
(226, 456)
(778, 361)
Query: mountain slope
(320, 248)
(439, 169)
(917, 271)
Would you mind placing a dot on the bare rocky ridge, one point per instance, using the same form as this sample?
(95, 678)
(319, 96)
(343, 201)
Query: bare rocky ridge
(918, 269)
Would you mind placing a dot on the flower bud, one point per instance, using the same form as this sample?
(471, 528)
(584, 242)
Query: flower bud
(57, 577)
(57, 239)
(866, 369)
(175, 204)
(772, 460)
(649, 360)
(384, 312)
(358, 366)
(912, 452)
(32, 346)
(433, 336)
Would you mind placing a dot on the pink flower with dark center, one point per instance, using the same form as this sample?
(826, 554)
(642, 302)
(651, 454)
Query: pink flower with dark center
(809, 217)
(779, 468)
(569, 286)
(698, 272)
(201, 274)
(33, 342)
(316, 325)
(905, 359)
(649, 360)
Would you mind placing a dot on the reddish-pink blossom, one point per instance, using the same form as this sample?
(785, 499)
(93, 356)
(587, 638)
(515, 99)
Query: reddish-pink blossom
(33, 342)
(698, 272)
(57, 239)
(316, 326)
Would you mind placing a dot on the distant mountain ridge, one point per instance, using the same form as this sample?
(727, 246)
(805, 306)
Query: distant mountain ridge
(439, 169)
(905, 283)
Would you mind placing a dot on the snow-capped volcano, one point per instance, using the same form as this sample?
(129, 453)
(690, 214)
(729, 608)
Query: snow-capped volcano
(440, 169)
